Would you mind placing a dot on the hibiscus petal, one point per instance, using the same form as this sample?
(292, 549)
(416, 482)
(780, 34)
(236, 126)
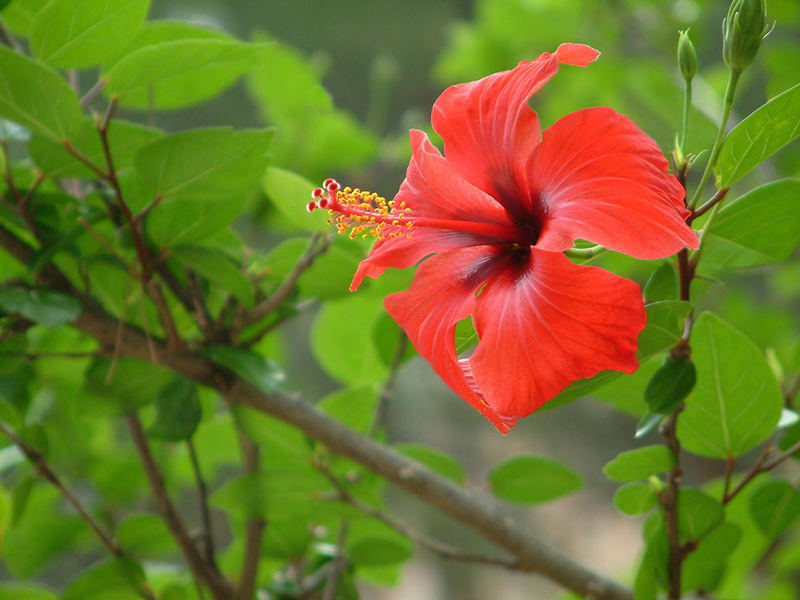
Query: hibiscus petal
(599, 177)
(443, 293)
(489, 129)
(544, 322)
(432, 189)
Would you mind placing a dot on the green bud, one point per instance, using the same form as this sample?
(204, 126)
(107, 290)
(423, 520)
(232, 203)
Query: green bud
(742, 32)
(687, 57)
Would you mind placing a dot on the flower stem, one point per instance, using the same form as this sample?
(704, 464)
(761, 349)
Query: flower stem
(687, 103)
(727, 104)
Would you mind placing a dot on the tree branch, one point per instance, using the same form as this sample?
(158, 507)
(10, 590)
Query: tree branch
(201, 569)
(443, 550)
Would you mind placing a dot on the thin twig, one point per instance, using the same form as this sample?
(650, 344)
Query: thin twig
(756, 469)
(84, 159)
(202, 500)
(715, 199)
(174, 340)
(105, 244)
(201, 568)
(669, 499)
(443, 550)
(254, 527)
(337, 564)
(47, 473)
(317, 246)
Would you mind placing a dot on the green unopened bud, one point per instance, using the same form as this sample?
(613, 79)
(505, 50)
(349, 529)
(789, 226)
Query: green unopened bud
(687, 57)
(742, 32)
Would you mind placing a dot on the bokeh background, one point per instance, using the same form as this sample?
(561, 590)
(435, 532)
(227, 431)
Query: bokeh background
(383, 63)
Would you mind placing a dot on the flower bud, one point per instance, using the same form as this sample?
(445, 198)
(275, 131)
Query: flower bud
(742, 32)
(687, 57)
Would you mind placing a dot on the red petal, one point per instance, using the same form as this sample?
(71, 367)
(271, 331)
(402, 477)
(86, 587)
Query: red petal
(443, 293)
(433, 189)
(600, 178)
(545, 322)
(489, 129)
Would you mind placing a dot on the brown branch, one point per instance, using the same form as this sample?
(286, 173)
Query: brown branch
(715, 199)
(7, 39)
(254, 528)
(36, 458)
(669, 499)
(443, 550)
(201, 569)
(174, 340)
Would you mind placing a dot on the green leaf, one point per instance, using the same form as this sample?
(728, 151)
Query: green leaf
(758, 136)
(201, 177)
(286, 445)
(673, 381)
(121, 385)
(12, 590)
(178, 411)
(268, 493)
(203, 163)
(215, 266)
(48, 307)
(532, 479)
(155, 32)
(635, 498)
(120, 575)
(40, 532)
(436, 460)
(37, 97)
(124, 139)
(179, 73)
(774, 506)
(19, 15)
(698, 513)
(662, 285)
(760, 227)
(70, 34)
(380, 551)
(341, 340)
(249, 365)
(737, 401)
(290, 193)
(640, 463)
(705, 567)
(144, 534)
(664, 327)
(354, 407)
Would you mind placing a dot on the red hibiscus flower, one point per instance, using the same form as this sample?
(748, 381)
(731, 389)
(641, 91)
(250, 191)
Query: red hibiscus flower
(494, 216)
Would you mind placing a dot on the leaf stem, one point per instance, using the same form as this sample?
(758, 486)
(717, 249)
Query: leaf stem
(727, 104)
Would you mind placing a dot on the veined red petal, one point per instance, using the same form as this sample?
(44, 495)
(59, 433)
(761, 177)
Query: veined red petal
(544, 322)
(443, 293)
(600, 178)
(489, 129)
(432, 189)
